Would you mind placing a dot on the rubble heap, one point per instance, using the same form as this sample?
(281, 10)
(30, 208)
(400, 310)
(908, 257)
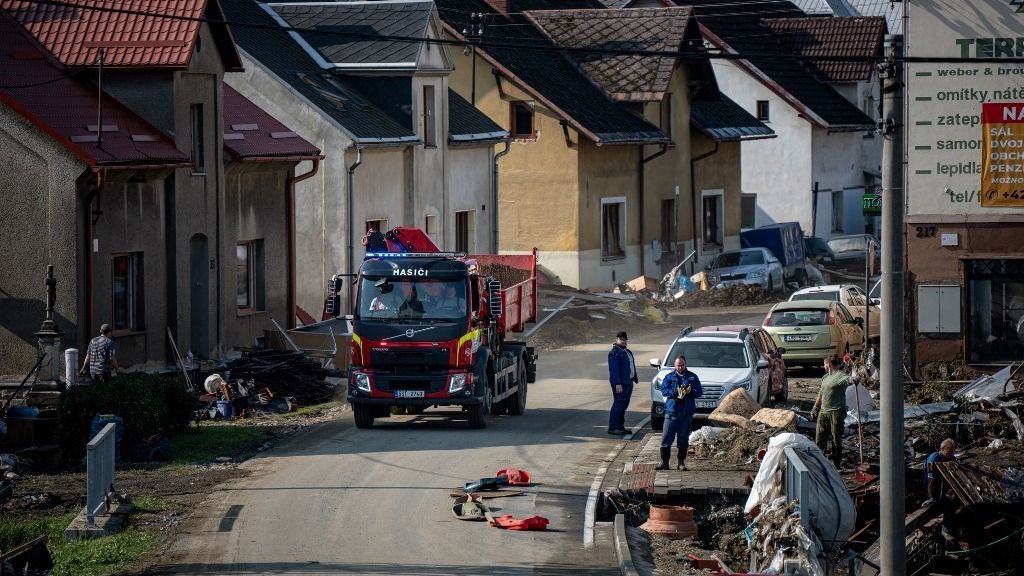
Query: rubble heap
(285, 373)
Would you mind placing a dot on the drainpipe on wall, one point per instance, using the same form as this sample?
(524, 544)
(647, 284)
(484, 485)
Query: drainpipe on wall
(693, 192)
(640, 200)
(351, 222)
(494, 196)
(814, 209)
(101, 175)
(290, 224)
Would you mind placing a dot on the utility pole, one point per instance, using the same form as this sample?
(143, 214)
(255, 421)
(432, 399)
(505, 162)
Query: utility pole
(892, 504)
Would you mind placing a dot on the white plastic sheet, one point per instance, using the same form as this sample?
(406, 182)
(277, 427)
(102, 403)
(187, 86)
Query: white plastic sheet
(705, 434)
(833, 515)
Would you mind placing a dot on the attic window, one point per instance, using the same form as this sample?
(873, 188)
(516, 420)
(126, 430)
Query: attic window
(762, 111)
(522, 120)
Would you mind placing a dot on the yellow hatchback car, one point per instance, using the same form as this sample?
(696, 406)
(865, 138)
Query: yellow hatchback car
(810, 330)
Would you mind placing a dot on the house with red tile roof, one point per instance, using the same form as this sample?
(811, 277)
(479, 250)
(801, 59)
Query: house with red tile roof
(162, 197)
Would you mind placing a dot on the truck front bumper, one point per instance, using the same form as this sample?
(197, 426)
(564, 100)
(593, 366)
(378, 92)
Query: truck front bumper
(360, 397)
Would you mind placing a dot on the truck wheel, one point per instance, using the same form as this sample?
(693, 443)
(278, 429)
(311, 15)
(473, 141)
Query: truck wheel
(498, 408)
(517, 403)
(363, 416)
(478, 412)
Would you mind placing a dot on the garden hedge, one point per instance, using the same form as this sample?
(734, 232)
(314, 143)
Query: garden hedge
(148, 403)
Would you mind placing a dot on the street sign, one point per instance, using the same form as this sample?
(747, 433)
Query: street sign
(871, 204)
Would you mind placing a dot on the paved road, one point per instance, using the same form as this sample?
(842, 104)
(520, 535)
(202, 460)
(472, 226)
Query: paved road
(338, 500)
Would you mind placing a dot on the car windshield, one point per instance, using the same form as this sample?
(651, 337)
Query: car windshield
(412, 298)
(831, 296)
(798, 317)
(849, 244)
(876, 290)
(730, 259)
(710, 354)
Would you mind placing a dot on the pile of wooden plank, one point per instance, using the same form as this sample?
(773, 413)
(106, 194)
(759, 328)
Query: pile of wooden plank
(285, 373)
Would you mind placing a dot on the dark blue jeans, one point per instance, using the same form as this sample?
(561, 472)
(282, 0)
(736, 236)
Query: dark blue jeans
(617, 416)
(676, 428)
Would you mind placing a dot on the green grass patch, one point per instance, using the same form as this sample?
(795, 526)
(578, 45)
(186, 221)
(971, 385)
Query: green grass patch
(310, 410)
(98, 557)
(151, 504)
(210, 441)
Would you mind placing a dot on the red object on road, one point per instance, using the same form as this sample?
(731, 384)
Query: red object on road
(516, 477)
(510, 522)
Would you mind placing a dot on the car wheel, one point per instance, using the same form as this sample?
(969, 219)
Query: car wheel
(657, 423)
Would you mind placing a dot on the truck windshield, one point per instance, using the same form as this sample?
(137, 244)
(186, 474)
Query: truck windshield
(412, 298)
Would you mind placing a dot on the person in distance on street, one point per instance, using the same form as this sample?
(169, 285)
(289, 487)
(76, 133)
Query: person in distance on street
(680, 388)
(830, 408)
(622, 376)
(101, 357)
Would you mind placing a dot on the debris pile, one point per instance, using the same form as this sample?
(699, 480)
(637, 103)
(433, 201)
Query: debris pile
(285, 374)
(726, 296)
(736, 445)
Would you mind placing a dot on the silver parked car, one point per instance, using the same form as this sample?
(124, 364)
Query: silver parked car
(750, 266)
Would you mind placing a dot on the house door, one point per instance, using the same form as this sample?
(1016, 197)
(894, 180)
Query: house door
(199, 296)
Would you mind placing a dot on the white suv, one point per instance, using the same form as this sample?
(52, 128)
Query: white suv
(724, 358)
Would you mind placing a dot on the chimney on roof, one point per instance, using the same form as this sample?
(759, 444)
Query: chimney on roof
(500, 6)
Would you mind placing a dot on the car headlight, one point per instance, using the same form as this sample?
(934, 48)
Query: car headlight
(362, 380)
(456, 383)
(756, 274)
(748, 385)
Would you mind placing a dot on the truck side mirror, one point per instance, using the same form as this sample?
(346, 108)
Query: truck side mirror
(494, 297)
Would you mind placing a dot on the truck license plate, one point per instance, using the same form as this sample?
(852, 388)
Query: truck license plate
(706, 404)
(408, 393)
(798, 338)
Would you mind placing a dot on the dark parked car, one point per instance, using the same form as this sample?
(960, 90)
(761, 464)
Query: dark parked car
(815, 247)
(850, 252)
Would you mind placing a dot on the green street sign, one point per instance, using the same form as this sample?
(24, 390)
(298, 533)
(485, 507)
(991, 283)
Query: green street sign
(871, 204)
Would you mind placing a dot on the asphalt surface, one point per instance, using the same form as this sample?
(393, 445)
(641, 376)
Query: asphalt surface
(338, 500)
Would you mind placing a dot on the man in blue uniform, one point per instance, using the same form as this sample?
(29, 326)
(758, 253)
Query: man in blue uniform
(622, 376)
(680, 388)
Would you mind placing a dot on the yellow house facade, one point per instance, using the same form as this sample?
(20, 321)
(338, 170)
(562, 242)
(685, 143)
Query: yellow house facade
(598, 173)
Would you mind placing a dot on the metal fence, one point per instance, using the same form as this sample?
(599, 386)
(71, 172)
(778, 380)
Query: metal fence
(798, 485)
(100, 472)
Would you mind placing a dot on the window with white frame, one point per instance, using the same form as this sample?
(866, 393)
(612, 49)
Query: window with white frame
(613, 227)
(465, 231)
(712, 219)
(249, 276)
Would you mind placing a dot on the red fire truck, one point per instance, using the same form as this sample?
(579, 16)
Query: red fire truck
(434, 329)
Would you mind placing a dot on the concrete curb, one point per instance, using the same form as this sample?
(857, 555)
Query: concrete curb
(622, 552)
(590, 515)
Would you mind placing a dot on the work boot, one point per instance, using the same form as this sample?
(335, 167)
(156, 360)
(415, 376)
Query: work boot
(681, 460)
(665, 453)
